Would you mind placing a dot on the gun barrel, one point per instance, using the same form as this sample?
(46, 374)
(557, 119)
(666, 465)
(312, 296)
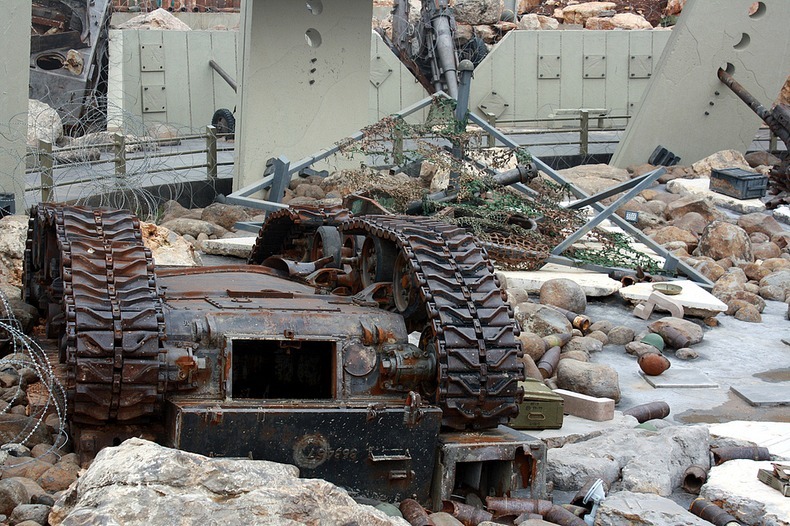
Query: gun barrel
(743, 94)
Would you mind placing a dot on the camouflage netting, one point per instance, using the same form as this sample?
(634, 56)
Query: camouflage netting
(518, 232)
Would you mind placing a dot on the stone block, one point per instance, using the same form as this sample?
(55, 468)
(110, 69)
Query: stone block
(589, 407)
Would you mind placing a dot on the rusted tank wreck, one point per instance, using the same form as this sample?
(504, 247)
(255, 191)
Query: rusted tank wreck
(302, 356)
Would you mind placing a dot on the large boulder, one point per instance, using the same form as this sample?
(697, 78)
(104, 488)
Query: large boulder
(593, 379)
(759, 222)
(669, 234)
(692, 222)
(12, 494)
(168, 248)
(720, 240)
(564, 293)
(626, 508)
(225, 215)
(619, 21)
(720, 160)
(541, 319)
(669, 326)
(779, 279)
(194, 227)
(476, 12)
(43, 123)
(647, 461)
(593, 178)
(142, 483)
(693, 203)
(159, 19)
(579, 13)
(13, 233)
(536, 22)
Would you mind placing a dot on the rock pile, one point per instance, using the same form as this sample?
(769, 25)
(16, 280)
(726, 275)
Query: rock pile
(491, 20)
(747, 257)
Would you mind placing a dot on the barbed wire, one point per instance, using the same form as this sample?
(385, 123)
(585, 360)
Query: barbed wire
(25, 353)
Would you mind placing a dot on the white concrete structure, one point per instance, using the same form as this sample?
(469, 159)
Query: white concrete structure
(686, 109)
(15, 35)
(304, 79)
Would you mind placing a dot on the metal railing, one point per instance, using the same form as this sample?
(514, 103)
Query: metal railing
(584, 128)
(122, 151)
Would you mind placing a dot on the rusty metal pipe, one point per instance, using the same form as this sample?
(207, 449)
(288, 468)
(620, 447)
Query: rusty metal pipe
(578, 321)
(723, 454)
(501, 506)
(530, 368)
(468, 515)
(526, 516)
(414, 513)
(705, 509)
(557, 340)
(224, 74)
(563, 517)
(579, 511)
(693, 479)
(674, 338)
(650, 411)
(548, 364)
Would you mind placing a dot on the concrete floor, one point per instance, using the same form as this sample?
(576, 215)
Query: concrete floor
(734, 353)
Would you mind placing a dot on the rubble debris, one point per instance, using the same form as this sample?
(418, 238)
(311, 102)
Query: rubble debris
(159, 19)
(228, 490)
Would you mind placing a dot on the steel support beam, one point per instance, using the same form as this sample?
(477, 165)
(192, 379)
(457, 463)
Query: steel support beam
(672, 262)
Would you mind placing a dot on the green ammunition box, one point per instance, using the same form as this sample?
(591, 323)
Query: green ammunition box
(541, 408)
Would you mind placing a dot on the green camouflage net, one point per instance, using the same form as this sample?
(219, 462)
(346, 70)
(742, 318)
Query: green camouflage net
(518, 231)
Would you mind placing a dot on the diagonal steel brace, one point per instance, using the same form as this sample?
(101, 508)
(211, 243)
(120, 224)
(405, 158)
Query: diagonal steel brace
(671, 263)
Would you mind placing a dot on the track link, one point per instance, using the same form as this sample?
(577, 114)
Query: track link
(90, 272)
(468, 322)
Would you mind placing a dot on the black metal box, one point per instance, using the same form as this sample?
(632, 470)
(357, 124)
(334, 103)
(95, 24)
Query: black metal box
(366, 448)
(738, 183)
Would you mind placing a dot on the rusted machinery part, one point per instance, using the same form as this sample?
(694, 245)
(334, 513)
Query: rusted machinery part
(723, 454)
(693, 479)
(288, 232)
(710, 512)
(563, 517)
(501, 506)
(414, 513)
(444, 284)
(650, 411)
(467, 514)
(90, 273)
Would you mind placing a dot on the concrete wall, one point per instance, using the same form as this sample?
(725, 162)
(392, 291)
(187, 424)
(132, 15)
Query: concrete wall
(392, 86)
(687, 109)
(304, 81)
(532, 74)
(196, 21)
(15, 35)
(164, 76)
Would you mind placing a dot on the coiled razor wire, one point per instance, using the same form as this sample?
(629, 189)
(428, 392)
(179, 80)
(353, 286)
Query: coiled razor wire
(26, 353)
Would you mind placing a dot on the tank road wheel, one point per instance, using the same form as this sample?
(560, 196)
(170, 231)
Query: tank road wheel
(406, 293)
(327, 242)
(376, 261)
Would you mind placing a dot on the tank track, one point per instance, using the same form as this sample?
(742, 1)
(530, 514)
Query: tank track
(286, 231)
(468, 322)
(90, 272)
